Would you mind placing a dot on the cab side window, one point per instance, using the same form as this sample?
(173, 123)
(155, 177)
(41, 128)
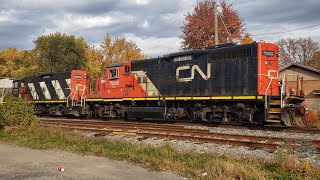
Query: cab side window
(114, 73)
(127, 70)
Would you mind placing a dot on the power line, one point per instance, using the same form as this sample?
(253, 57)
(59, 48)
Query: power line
(280, 32)
(229, 35)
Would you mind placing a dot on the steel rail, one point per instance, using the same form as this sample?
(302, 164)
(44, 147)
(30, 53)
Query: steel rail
(191, 135)
(160, 123)
(187, 131)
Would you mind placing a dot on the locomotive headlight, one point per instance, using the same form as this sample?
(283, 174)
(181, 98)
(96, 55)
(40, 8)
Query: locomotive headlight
(291, 91)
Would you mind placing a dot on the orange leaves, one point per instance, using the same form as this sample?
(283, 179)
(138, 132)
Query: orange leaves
(111, 50)
(246, 39)
(119, 50)
(313, 118)
(15, 63)
(7, 59)
(198, 31)
(94, 62)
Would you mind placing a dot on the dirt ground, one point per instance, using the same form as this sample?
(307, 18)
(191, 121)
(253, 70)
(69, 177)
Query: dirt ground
(25, 163)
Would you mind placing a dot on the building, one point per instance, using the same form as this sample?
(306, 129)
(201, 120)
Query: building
(5, 87)
(310, 85)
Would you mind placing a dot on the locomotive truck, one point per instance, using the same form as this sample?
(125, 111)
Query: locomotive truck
(226, 83)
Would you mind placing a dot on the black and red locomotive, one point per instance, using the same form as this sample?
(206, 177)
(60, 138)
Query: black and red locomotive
(226, 83)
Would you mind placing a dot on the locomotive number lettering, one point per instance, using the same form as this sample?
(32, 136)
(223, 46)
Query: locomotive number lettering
(268, 53)
(114, 83)
(193, 69)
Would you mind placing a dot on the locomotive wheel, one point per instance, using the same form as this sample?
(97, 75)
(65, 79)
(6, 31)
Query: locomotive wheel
(210, 118)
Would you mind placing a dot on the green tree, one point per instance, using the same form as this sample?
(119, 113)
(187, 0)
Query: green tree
(59, 51)
(17, 111)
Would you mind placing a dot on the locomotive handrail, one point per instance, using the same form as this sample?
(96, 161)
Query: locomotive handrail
(82, 96)
(265, 95)
(74, 95)
(267, 89)
(69, 96)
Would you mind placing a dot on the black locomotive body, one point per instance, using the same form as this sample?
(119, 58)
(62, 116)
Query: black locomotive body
(214, 72)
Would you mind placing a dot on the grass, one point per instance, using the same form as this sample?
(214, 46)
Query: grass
(187, 164)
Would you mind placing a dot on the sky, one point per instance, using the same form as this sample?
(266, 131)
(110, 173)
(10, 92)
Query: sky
(154, 25)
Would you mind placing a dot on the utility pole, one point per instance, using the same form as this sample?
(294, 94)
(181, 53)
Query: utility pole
(215, 13)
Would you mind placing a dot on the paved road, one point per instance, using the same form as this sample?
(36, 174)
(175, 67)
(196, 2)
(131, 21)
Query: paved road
(25, 163)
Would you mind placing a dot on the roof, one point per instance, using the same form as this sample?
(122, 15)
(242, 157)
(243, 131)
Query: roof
(301, 66)
(116, 64)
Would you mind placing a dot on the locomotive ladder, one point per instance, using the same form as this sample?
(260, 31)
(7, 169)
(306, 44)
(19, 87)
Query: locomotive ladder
(273, 104)
(274, 109)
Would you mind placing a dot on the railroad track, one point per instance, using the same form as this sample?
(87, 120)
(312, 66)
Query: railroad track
(205, 124)
(180, 132)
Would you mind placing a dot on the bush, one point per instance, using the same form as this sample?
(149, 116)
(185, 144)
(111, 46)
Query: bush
(16, 112)
(313, 118)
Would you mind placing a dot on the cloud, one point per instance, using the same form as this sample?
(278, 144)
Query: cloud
(71, 23)
(155, 46)
(154, 25)
(142, 2)
(5, 16)
(145, 24)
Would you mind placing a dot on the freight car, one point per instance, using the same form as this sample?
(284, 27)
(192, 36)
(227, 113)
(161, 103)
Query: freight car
(226, 83)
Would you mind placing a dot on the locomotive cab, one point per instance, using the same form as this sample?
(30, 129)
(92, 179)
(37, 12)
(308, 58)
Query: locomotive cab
(19, 89)
(119, 82)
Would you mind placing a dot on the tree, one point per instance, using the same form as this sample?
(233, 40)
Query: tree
(7, 61)
(15, 63)
(60, 51)
(119, 50)
(246, 39)
(297, 50)
(94, 64)
(198, 31)
(315, 60)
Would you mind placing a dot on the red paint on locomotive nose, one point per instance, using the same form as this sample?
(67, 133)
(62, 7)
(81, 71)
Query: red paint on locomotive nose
(80, 84)
(268, 69)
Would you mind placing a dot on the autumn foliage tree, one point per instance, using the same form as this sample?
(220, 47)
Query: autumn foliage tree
(198, 31)
(17, 63)
(119, 49)
(246, 39)
(94, 63)
(297, 50)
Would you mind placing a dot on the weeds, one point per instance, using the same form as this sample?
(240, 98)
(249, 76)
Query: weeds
(17, 113)
(313, 118)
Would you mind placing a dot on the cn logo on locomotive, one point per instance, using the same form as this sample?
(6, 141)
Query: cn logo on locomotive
(193, 69)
